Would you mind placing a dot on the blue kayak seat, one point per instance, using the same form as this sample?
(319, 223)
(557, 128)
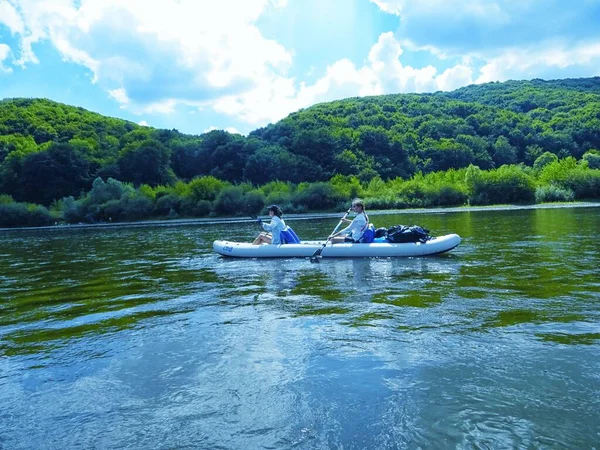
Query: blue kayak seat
(288, 236)
(368, 235)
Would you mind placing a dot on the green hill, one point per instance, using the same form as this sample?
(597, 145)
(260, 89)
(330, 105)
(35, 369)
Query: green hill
(487, 125)
(50, 150)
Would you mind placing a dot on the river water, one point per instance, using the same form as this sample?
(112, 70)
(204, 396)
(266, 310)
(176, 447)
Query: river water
(140, 337)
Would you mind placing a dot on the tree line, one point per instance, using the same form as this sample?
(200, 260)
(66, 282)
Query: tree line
(399, 150)
(549, 180)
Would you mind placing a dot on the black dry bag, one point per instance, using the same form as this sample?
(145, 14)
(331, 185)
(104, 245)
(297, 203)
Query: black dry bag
(403, 233)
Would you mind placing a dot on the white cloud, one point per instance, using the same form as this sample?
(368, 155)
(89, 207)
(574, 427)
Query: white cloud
(488, 10)
(160, 107)
(154, 57)
(528, 63)
(231, 130)
(391, 7)
(413, 47)
(384, 59)
(382, 73)
(158, 51)
(455, 77)
(143, 123)
(119, 95)
(4, 53)
(273, 97)
(42, 19)
(458, 27)
(72, 54)
(10, 17)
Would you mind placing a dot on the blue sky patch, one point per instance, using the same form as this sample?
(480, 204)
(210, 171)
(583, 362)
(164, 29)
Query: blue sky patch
(239, 65)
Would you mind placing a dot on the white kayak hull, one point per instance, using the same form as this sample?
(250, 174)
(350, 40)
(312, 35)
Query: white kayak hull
(343, 250)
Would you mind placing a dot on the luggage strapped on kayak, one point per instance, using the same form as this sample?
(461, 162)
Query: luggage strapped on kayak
(403, 233)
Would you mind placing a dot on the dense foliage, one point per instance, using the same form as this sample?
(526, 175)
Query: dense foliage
(510, 142)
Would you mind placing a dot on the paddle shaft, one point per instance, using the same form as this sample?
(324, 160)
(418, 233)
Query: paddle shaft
(317, 253)
(255, 218)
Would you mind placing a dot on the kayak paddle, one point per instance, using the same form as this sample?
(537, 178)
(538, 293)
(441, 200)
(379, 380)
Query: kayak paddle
(317, 254)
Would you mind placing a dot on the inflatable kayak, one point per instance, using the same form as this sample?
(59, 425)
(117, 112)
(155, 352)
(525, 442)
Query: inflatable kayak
(343, 250)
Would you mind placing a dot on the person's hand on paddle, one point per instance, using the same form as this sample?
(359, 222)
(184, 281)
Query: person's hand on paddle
(317, 254)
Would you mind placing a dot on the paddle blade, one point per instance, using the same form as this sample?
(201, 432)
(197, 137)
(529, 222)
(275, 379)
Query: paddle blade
(317, 254)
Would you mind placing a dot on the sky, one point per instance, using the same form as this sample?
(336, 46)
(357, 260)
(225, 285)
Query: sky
(237, 65)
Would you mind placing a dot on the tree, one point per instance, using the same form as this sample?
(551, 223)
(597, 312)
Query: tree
(230, 159)
(386, 150)
(347, 163)
(146, 162)
(446, 154)
(317, 196)
(238, 200)
(16, 143)
(275, 163)
(205, 188)
(508, 184)
(479, 146)
(103, 192)
(544, 159)
(592, 157)
(57, 172)
(317, 145)
(503, 152)
(186, 158)
(532, 152)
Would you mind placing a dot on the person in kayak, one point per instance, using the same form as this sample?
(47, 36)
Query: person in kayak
(353, 232)
(273, 229)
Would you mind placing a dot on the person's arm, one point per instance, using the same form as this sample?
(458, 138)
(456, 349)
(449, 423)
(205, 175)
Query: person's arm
(345, 230)
(271, 225)
(357, 222)
(338, 233)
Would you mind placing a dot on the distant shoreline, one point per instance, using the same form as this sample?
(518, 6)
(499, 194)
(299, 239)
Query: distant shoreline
(308, 216)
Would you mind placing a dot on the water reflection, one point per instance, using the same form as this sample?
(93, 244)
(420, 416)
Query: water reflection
(513, 317)
(144, 338)
(571, 339)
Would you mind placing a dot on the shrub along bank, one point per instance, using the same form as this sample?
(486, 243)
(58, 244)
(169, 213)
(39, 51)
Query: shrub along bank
(549, 180)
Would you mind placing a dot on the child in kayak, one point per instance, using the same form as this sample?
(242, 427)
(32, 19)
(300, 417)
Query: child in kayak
(353, 232)
(273, 229)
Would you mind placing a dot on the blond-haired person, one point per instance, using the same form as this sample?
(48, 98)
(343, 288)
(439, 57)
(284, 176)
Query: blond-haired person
(355, 230)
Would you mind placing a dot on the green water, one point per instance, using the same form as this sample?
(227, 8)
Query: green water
(141, 337)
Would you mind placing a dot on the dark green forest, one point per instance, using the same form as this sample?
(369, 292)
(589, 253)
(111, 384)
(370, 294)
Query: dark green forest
(512, 142)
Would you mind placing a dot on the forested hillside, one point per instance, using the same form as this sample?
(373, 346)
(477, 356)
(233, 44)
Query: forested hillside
(50, 151)
(486, 125)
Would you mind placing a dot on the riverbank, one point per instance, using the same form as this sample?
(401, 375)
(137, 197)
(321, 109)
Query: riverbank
(309, 216)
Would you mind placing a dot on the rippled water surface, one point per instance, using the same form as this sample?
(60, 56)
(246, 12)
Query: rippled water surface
(141, 337)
